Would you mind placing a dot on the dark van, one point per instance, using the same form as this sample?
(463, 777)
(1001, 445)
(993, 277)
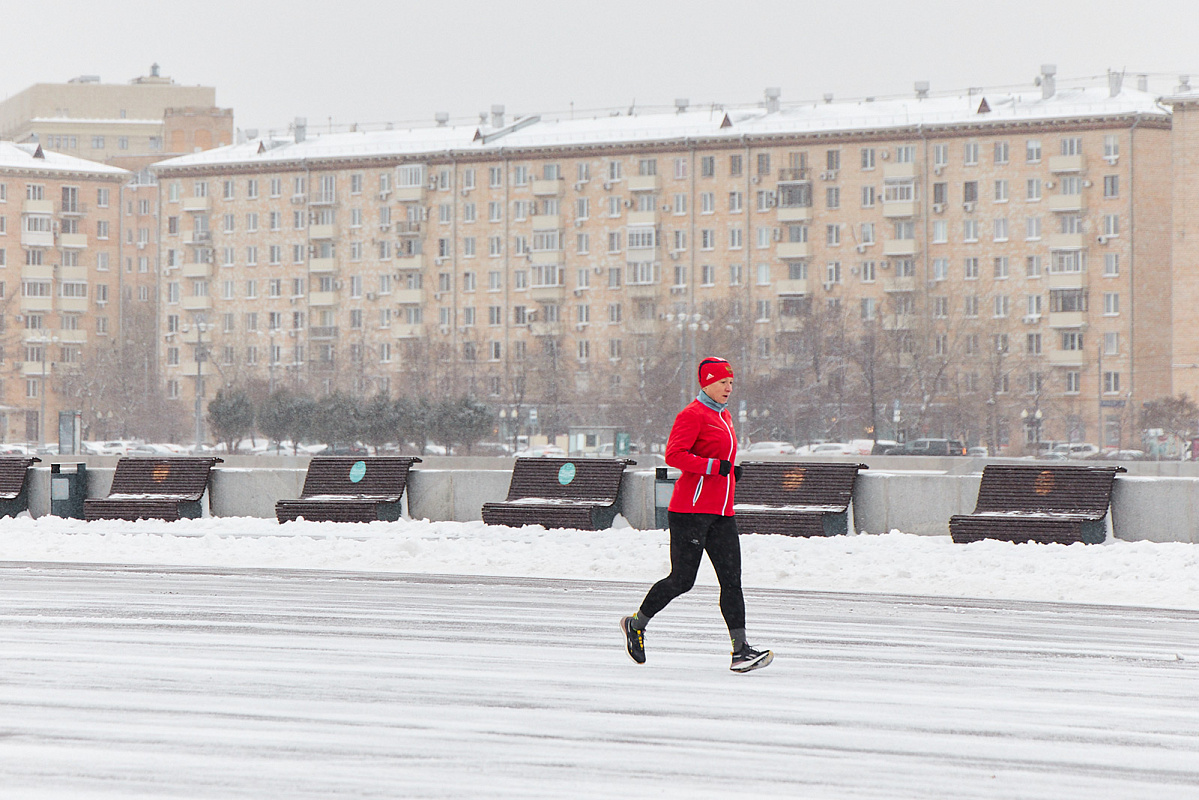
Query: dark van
(929, 447)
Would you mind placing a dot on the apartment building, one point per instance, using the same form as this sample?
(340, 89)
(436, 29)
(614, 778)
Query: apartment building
(59, 277)
(994, 265)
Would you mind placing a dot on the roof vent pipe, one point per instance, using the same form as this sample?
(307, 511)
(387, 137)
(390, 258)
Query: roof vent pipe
(1142, 83)
(921, 89)
(301, 129)
(681, 103)
(251, 133)
(828, 97)
(1114, 81)
(773, 93)
(442, 118)
(1184, 83)
(497, 116)
(1047, 81)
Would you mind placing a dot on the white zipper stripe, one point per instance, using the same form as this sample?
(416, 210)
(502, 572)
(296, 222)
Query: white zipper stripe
(732, 444)
(699, 487)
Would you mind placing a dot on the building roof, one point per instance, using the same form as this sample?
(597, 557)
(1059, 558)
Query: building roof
(714, 123)
(24, 156)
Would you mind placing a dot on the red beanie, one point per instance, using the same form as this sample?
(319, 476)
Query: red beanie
(713, 369)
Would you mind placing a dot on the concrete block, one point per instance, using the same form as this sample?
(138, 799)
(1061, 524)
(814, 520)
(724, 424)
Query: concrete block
(246, 492)
(1155, 509)
(637, 498)
(911, 502)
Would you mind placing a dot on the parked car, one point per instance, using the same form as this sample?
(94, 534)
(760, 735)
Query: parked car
(1125, 455)
(977, 452)
(833, 449)
(1077, 450)
(770, 449)
(542, 451)
(881, 446)
(929, 447)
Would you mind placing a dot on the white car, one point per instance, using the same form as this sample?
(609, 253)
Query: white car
(1077, 450)
(770, 449)
(542, 451)
(833, 449)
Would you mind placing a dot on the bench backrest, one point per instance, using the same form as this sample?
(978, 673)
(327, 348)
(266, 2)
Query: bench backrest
(783, 483)
(594, 480)
(174, 476)
(1009, 487)
(382, 478)
(13, 471)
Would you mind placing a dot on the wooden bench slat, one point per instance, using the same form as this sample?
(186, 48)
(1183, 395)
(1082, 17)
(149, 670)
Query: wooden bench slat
(154, 488)
(536, 495)
(350, 489)
(795, 498)
(1038, 503)
(14, 487)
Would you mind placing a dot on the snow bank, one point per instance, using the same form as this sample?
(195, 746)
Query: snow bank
(1120, 573)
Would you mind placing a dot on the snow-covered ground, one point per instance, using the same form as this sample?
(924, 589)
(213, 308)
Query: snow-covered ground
(457, 660)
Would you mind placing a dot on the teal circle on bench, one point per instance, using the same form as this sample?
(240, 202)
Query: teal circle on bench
(357, 471)
(566, 474)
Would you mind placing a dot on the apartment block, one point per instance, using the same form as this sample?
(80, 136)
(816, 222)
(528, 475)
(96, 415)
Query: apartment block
(993, 265)
(59, 279)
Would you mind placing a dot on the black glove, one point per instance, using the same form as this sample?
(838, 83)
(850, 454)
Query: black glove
(737, 472)
(726, 467)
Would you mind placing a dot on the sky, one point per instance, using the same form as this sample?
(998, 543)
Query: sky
(376, 61)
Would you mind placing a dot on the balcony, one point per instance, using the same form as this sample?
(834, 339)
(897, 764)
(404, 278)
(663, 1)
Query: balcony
(793, 175)
(322, 332)
(643, 218)
(322, 265)
(35, 369)
(1066, 202)
(71, 336)
(37, 272)
(900, 247)
(197, 204)
(73, 240)
(322, 298)
(72, 209)
(1065, 241)
(545, 328)
(72, 274)
(791, 324)
(795, 214)
(898, 322)
(1067, 280)
(792, 286)
(37, 239)
(33, 304)
(407, 228)
(547, 293)
(549, 188)
(900, 209)
(188, 368)
(72, 304)
(643, 291)
(1065, 358)
(543, 257)
(410, 194)
(410, 262)
(197, 237)
(196, 303)
(794, 250)
(899, 283)
(408, 297)
(196, 270)
(322, 232)
(1067, 319)
(37, 207)
(1067, 163)
(408, 331)
(546, 222)
(643, 183)
(899, 171)
(324, 199)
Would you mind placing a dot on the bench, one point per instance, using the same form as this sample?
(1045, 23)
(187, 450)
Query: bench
(14, 489)
(350, 489)
(1018, 503)
(154, 488)
(561, 493)
(795, 499)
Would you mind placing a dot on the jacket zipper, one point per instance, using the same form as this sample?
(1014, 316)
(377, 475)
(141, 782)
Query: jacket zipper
(699, 487)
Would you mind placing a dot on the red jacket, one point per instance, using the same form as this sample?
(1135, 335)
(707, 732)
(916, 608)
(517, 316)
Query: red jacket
(700, 439)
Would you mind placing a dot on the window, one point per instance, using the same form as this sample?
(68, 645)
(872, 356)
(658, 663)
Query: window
(1111, 185)
(736, 166)
(1033, 302)
(1032, 228)
(1111, 147)
(1111, 265)
(832, 235)
(1001, 152)
(1032, 189)
(1111, 343)
(970, 153)
(1111, 225)
(1111, 304)
(832, 159)
(1000, 229)
(1001, 267)
(735, 238)
(940, 155)
(867, 158)
(970, 308)
(970, 192)
(970, 230)
(971, 269)
(1072, 146)
(1002, 306)
(867, 197)
(1001, 191)
(1032, 150)
(1111, 382)
(707, 166)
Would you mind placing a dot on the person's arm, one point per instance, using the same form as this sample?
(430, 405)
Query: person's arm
(678, 447)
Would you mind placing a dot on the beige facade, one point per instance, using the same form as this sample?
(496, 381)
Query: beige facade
(1000, 276)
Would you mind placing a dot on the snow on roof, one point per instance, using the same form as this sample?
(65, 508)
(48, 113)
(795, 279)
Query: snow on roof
(709, 123)
(95, 121)
(22, 156)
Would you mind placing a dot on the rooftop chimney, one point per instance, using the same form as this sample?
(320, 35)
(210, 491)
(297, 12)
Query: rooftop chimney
(497, 116)
(301, 129)
(154, 70)
(1184, 83)
(681, 103)
(773, 93)
(1114, 81)
(828, 97)
(1048, 83)
(442, 118)
(921, 89)
(1142, 83)
(251, 133)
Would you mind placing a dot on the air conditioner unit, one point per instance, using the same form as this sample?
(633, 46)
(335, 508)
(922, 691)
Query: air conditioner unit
(438, 260)
(938, 208)
(628, 203)
(853, 270)
(937, 170)
(384, 226)
(445, 329)
(1102, 239)
(1086, 184)
(424, 213)
(968, 206)
(884, 155)
(1111, 159)
(384, 193)
(578, 223)
(828, 286)
(1048, 184)
(433, 185)
(579, 185)
(1032, 318)
(884, 265)
(336, 284)
(756, 179)
(299, 199)
(861, 247)
(607, 185)
(598, 270)
(371, 295)
(778, 234)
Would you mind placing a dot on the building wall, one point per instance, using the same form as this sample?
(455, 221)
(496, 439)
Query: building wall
(359, 329)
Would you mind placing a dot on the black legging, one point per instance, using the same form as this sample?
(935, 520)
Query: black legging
(690, 536)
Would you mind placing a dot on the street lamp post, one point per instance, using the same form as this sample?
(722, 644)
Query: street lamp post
(41, 427)
(201, 356)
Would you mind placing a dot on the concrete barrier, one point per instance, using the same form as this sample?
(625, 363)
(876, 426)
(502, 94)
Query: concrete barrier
(1144, 508)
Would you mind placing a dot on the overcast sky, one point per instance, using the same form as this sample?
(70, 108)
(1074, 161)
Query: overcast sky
(399, 61)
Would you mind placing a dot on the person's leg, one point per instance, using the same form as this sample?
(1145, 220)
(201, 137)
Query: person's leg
(687, 535)
(724, 551)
